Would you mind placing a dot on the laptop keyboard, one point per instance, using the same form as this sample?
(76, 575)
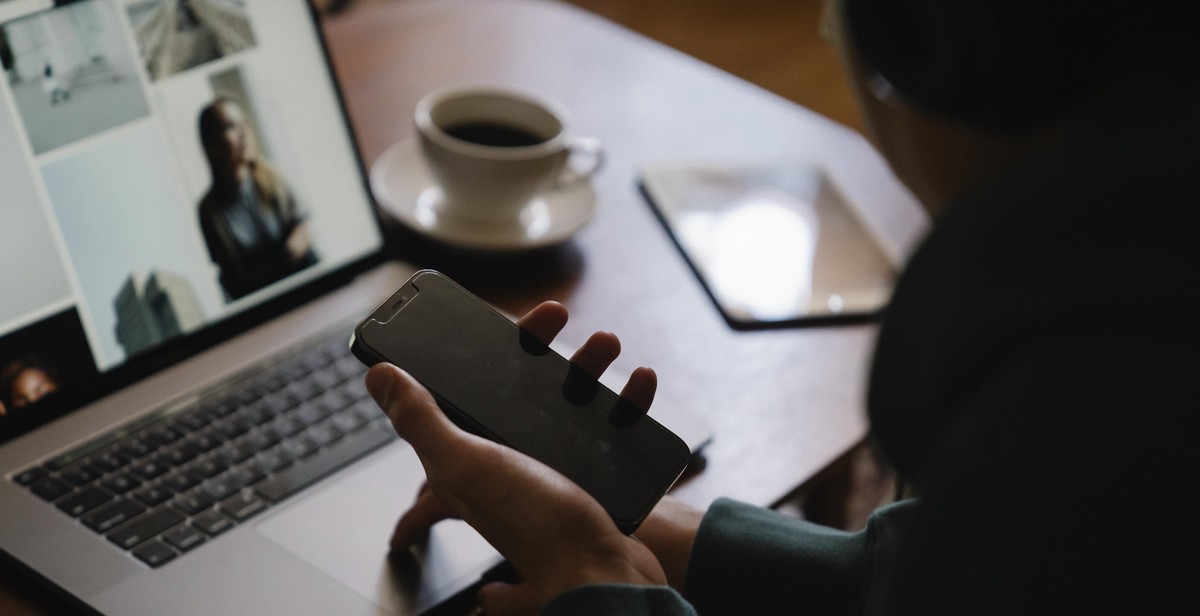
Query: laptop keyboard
(165, 484)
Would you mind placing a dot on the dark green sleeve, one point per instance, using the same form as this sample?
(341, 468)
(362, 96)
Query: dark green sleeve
(749, 560)
(612, 599)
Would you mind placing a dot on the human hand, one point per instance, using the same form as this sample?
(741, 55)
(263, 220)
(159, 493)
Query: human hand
(554, 534)
(299, 242)
(544, 322)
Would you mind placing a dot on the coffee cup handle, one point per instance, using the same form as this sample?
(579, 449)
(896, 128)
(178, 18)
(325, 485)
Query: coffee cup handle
(587, 148)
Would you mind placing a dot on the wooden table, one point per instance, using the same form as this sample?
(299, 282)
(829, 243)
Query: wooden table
(783, 404)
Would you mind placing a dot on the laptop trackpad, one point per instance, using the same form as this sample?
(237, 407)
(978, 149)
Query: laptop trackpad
(343, 529)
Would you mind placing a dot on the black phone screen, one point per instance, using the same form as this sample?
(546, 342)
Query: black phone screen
(497, 381)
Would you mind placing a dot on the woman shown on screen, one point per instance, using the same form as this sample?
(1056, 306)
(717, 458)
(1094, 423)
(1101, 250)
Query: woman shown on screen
(255, 231)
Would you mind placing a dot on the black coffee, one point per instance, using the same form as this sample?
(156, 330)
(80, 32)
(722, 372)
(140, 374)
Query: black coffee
(493, 134)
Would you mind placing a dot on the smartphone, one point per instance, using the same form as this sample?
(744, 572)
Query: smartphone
(495, 380)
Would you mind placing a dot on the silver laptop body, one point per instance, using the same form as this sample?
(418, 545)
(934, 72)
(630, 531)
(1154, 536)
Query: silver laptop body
(124, 307)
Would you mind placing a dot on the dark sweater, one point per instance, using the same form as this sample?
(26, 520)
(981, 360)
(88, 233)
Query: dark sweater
(1036, 378)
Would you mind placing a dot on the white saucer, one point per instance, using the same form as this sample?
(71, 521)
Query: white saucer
(402, 183)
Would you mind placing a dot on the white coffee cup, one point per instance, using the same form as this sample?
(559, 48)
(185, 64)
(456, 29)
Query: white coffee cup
(491, 150)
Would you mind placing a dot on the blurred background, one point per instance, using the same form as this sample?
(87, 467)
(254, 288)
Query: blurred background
(775, 44)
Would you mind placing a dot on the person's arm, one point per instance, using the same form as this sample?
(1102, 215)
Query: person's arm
(740, 559)
(299, 243)
(752, 560)
(229, 271)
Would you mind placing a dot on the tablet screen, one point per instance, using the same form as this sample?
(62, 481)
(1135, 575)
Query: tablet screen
(773, 245)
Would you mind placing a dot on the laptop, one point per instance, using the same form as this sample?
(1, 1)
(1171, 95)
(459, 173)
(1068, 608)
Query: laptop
(188, 238)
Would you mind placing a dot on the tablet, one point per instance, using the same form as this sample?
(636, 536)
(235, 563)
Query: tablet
(773, 245)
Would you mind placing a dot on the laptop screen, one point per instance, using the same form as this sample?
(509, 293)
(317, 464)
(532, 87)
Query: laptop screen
(172, 171)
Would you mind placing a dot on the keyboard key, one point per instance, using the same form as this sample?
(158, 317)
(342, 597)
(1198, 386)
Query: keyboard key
(203, 442)
(310, 414)
(293, 396)
(112, 515)
(367, 410)
(355, 389)
(81, 474)
(212, 522)
(211, 434)
(164, 434)
(349, 367)
(120, 484)
(149, 469)
(306, 389)
(51, 489)
(229, 429)
(291, 370)
(184, 537)
(322, 435)
(233, 453)
(314, 361)
(177, 455)
(180, 482)
(155, 553)
(326, 379)
(277, 404)
(310, 471)
(219, 489)
(109, 461)
(30, 475)
(136, 447)
(194, 502)
(274, 381)
(225, 408)
(203, 469)
(284, 427)
(242, 505)
(347, 422)
(246, 475)
(255, 415)
(246, 395)
(297, 448)
(144, 527)
(260, 440)
(271, 461)
(337, 399)
(83, 501)
(154, 495)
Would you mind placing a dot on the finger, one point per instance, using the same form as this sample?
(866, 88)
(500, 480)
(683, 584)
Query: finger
(500, 599)
(544, 321)
(639, 390)
(414, 414)
(426, 511)
(597, 354)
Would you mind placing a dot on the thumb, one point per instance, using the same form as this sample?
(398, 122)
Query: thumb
(500, 599)
(412, 409)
